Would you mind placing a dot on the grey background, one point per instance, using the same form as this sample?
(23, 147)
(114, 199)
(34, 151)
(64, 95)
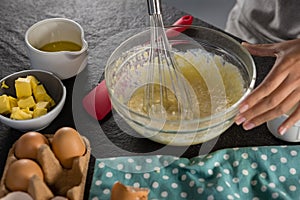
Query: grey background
(214, 12)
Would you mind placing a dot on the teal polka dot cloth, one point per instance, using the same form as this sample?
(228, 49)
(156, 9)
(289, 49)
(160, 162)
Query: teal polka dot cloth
(249, 173)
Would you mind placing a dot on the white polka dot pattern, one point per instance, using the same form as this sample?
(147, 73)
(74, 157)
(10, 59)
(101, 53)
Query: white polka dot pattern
(253, 173)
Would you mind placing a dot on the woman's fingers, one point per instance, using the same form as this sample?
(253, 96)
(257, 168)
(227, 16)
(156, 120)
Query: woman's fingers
(273, 80)
(269, 102)
(261, 49)
(255, 117)
(277, 102)
(280, 90)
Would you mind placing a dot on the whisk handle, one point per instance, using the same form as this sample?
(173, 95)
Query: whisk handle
(154, 7)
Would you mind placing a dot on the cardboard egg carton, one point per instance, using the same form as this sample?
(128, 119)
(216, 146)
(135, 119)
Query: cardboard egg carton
(58, 181)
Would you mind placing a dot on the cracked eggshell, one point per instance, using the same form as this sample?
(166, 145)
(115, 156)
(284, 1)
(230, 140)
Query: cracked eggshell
(120, 191)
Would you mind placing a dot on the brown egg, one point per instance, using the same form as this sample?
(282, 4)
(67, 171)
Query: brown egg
(28, 144)
(67, 144)
(19, 173)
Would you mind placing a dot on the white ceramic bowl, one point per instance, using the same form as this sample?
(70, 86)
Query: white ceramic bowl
(291, 135)
(55, 89)
(65, 64)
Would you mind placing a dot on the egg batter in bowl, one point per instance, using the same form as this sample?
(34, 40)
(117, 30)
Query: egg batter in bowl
(227, 86)
(217, 80)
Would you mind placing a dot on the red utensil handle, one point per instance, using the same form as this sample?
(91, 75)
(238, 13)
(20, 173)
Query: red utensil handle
(175, 31)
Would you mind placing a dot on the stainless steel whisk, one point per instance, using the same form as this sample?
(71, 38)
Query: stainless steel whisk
(171, 95)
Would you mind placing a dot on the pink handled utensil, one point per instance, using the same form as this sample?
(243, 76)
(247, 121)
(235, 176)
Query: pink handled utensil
(97, 102)
(175, 31)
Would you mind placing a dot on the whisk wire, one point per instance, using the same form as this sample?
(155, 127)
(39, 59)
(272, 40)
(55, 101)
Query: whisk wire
(173, 89)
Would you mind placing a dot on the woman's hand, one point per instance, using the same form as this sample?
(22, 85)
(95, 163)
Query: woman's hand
(280, 90)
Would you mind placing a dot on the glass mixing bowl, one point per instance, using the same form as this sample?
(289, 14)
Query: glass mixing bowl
(124, 74)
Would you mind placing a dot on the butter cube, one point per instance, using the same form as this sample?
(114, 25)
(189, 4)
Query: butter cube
(17, 113)
(42, 104)
(39, 112)
(40, 94)
(27, 102)
(33, 81)
(4, 105)
(39, 90)
(13, 101)
(23, 87)
(27, 110)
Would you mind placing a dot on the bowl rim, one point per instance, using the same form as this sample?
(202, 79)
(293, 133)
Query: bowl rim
(196, 120)
(57, 107)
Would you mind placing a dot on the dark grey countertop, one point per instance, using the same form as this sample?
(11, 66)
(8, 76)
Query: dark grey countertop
(105, 23)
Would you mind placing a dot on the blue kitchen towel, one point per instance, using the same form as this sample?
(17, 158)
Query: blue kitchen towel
(249, 173)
